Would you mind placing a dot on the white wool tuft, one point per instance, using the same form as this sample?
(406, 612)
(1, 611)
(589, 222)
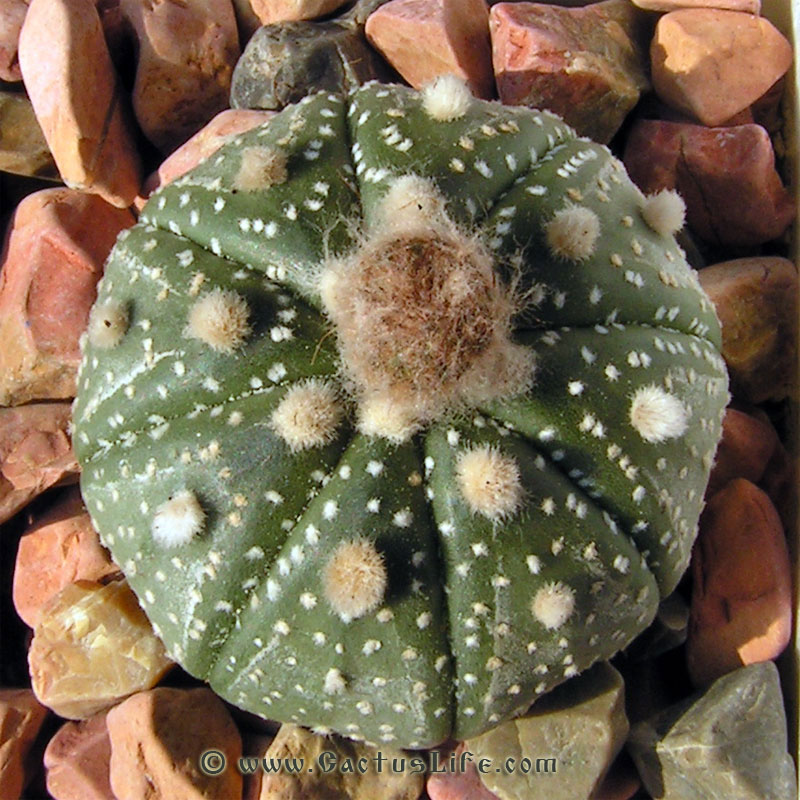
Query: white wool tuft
(308, 415)
(260, 168)
(178, 520)
(354, 579)
(489, 482)
(381, 414)
(572, 233)
(553, 604)
(334, 682)
(220, 319)
(412, 204)
(108, 323)
(664, 212)
(657, 415)
(446, 97)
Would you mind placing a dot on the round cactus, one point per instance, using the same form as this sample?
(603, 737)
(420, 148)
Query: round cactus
(398, 411)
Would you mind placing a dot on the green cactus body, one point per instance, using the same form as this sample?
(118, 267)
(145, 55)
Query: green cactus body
(411, 535)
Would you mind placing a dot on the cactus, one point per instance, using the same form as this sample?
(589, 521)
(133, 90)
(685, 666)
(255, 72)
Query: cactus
(398, 411)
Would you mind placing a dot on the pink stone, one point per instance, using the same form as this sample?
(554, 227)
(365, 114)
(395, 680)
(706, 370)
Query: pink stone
(224, 127)
(35, 453)
(12, 15)
(423, 39)
(58, 242)
(457, 785)
(62, 51)
(747, 446)
(21, 717)
(271, 11)
(756, 300)
(157, 738)
(76, 760)
(742, 584)
(585, 64)
(712, 63)
(187, 52)
(61, 547)
(726, 176)
(747, 6)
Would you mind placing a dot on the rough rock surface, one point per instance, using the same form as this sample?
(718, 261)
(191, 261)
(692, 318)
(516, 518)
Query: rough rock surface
(12, 15)
(35, 453)
(76, 760)
(61, 547)
(726, 176)
(756, 300)
(712, 64)
(21, 717)
(157, 739)
(586, 64)
(423, 39)
(62, 50)
(187, 52)
(92, 647)
(58, 241)
(23, 149)
(742, 584)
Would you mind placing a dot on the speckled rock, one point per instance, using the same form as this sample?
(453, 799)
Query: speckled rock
(12, 15)
(748, 444)
(729, 741)
(77, 761)
(58, 241)
(756, 300)
(742, 584)
(586, 64)
(23, 149)
(187, 52)
(423, 39)
(158, 738)
(575, 731)
(93, 646)
(343, 769)
(35, 453)
(222, 128)
(712, 64)
(283, 63)
(62, 50)
(61, 547)
(726, 176)
(21, 717)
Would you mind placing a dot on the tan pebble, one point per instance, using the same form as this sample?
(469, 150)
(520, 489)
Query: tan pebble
(21, 717)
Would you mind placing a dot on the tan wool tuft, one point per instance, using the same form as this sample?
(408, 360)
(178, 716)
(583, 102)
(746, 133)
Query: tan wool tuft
(412, 204)
(572, 233)
(664, 212)
(489, 482)
(178, 520)
(446, 97)
(308, 415)
(220, 319)
(354, 579)
(553, 604)
(108, 323)
(260, 168)
(382, 414)
(657, 415)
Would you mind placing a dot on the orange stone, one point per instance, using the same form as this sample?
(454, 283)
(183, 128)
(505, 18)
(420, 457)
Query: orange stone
(423, 39)
(742, 585)
(21, 717)
(60, 548)
(712, 63)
